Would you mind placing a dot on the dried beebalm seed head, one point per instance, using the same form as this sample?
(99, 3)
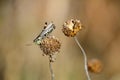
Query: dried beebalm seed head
(50, 45)
(71, 27)
(95, 66)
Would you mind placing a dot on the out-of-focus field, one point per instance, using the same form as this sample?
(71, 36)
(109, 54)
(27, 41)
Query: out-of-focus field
(22, 20)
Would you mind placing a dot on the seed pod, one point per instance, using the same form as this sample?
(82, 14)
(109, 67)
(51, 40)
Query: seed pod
(50, 46)
(95, 66)
(71, 27)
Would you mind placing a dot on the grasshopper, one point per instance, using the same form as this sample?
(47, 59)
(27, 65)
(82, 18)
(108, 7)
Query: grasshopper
(45, 32)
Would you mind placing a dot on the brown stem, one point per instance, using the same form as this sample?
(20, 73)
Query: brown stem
(85, 58)
(51, 71)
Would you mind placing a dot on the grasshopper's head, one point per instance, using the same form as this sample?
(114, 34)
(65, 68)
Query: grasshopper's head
(37, 40)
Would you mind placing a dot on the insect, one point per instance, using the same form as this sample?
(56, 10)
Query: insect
(45, 32)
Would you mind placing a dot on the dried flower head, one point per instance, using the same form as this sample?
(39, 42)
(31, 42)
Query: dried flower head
(95, 66)
(50, 46)
(71, 27)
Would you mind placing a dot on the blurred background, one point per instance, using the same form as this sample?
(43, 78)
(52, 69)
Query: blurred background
(22, 20)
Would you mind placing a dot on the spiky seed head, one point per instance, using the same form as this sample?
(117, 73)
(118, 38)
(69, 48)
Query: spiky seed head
(50, 45)
(71, 27)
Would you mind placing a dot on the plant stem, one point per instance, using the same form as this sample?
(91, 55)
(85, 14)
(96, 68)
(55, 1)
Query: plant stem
(85, 58)
(51, 71)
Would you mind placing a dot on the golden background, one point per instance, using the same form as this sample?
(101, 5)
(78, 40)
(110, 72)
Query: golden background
(22, 20)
